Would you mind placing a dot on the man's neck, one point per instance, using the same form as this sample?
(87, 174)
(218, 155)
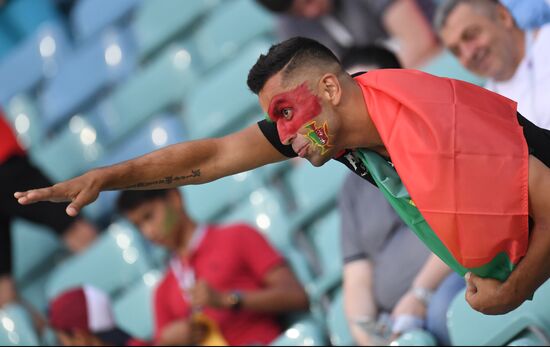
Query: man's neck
(187, 231)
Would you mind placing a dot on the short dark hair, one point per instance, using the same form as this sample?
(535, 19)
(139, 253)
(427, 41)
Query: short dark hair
(129, 200)
(290, 54)
(376, 55)
(277, 6)
(446, 7)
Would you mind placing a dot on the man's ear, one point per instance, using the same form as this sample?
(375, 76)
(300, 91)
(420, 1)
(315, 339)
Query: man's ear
(505, 17)
(330, 88)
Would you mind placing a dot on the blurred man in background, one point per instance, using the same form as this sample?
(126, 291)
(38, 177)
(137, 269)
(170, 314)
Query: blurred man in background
(483, 35)
(16, 172)
(341, 24)
(226, 278)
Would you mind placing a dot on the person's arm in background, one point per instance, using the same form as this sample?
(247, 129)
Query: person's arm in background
(404, 22)
(490, 296)
(191, 162)
(415, 302)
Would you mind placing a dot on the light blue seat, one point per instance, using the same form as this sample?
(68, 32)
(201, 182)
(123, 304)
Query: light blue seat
(157, 87)
(37, 57)
(16, 327)
(23, 115)
(116, 260)
(133, 309)
(87, 73)
(89, 17)
(468, 327)
(230, 27)
(324, 236)
(446, 65)
(415, 338)
(305, 332)
(157, 22)
(33, 245)
(72, 151)
(314, 188)
(162, 131)
(25, 16)
(337, 323)
(222, 102)
(263, 210)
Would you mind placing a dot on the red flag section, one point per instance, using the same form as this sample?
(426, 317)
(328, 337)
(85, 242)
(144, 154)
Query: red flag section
(461, 154)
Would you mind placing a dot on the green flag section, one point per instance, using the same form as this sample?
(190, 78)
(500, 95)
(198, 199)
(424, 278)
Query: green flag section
(389, 183)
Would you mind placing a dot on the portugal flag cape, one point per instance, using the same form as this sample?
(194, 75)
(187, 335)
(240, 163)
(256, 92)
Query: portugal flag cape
(460, 167)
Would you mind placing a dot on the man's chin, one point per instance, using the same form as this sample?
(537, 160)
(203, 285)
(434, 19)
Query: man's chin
(318, 161)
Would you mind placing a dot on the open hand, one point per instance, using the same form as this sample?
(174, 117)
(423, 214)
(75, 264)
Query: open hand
(79, 191)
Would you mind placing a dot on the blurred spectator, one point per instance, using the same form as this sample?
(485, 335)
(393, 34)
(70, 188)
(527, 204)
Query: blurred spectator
(486, 39)
(340, 24)
(16, 172)
(83, 316)
(529, 14)
(391, 283)
(227, 279)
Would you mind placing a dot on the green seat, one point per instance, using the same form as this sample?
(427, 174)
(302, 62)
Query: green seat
(324, 236)
(22, 113)
(158, 22)
(16, 327)
(415, 338)
(159, 86)
(468, 327)
(305, 332)
(446, 65)
(116, 260)
(72, 151)
(133, 309)
(230, 27)
(337, 323)
(222, 102)
(314, 189)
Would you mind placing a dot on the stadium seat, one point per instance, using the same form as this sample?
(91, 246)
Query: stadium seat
(219, 38)
(133, 309)
(25, 16)
(468, 327)
(115, 261)
(305, 332)
(23, 115)
(163, 130)
(72, 151)
(324, 235)
(7, 38)
(337, 323)
(175, 17)
(16, 327)
(90, 17)
(314, 189)
(263, 210)
(446, 65)
(158, 86)
(37, 57)
(415, 338)
(87, 73)
(222, 102)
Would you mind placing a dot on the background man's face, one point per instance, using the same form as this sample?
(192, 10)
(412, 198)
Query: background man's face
(311, 8)
(158, 220)
(483, 45)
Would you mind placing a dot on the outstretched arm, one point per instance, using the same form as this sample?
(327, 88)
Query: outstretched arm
(193, 162)
(492, 297)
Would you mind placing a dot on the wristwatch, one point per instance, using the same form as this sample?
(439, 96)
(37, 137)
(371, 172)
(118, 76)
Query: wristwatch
(235, 300)
(422, 294)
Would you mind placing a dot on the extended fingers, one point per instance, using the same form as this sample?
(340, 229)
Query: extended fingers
(36, 195)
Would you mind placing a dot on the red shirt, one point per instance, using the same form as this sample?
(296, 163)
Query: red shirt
(8, 142)
(234, 257)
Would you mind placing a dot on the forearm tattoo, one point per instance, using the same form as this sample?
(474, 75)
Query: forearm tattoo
(166, 180)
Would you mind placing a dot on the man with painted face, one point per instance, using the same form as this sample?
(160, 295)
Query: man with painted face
(464, 174)
(225, 283)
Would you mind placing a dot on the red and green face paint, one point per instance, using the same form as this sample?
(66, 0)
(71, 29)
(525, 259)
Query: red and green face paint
(303, 105)
(319, 136)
